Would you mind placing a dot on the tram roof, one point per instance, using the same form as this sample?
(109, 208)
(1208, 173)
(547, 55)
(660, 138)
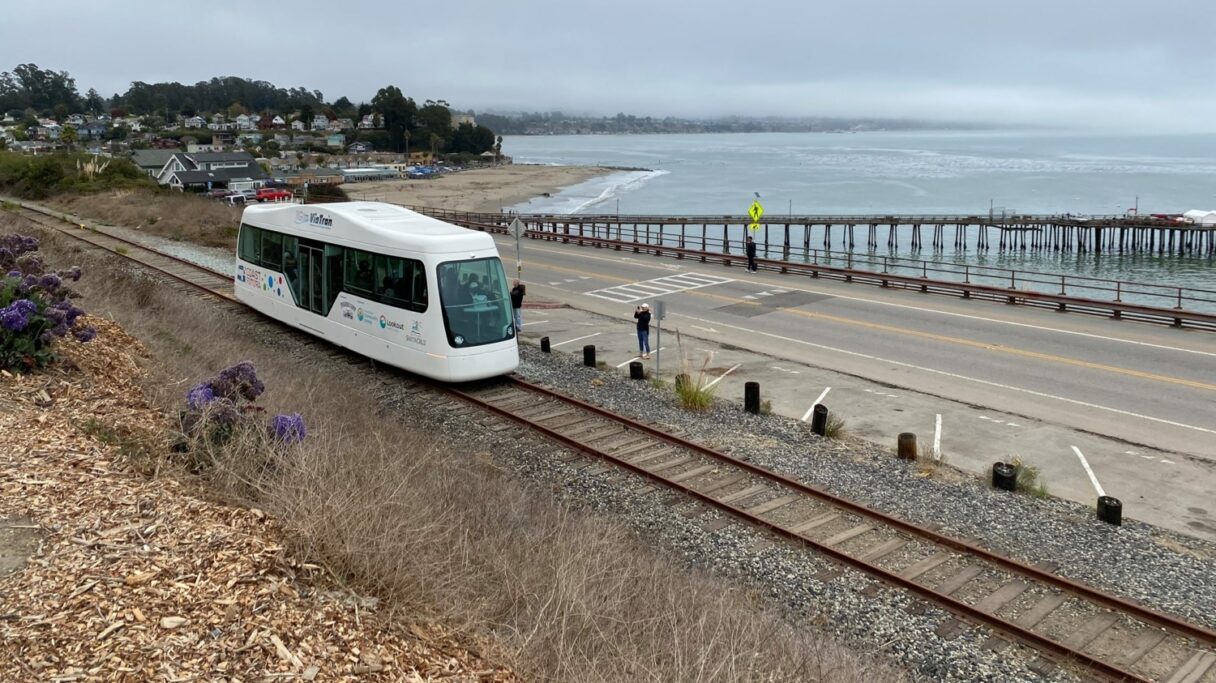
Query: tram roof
(370, 223)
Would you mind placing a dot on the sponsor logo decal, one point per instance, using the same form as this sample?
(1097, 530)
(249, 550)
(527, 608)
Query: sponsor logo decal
(348, 310)
(314, 218)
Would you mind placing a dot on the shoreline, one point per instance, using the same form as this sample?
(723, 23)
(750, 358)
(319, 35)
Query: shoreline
(480, 189)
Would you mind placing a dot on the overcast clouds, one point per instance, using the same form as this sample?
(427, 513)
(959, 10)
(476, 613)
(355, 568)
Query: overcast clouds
(1147, 66)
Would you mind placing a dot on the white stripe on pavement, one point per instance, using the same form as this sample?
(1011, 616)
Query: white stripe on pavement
(535, 322)
(576, 339)
(1085, 464)
(719, 377)
(654, 353)
(937, 438)
(817, 402)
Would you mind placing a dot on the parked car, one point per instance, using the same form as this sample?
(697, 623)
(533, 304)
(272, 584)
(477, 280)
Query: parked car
(235, 199)
(272, 194)
(218, 194)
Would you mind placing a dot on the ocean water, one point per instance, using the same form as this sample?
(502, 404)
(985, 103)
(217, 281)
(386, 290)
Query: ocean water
(901, 173)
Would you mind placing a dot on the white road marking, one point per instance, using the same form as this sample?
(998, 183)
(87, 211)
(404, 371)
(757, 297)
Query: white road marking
(939, 311)
(670, 284)
(749, 296)
(817, 402)
(568, 341)
(621, 365)
(1168, 462)
(937, 438)
(1085, 464)
(719, 377)
(953, 375)
(1011, 424)
(707, 329)
(535, 322)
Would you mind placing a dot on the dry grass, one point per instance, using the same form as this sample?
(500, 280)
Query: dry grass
(175, 215)
(436, 532)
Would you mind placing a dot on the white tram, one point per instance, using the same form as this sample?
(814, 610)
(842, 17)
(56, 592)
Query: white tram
(383, 281)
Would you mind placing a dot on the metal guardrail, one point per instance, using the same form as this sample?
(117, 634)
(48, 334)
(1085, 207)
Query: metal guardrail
(1175, 305)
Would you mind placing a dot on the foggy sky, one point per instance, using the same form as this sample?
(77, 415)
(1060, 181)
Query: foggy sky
(1127, 64)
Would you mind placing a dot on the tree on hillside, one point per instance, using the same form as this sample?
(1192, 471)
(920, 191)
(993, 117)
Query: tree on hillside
(364, 110)
(343, 106)
(93, 103)
(29, 86)
(68, 136)
(398, 112)
(306, 115)
(434, 118)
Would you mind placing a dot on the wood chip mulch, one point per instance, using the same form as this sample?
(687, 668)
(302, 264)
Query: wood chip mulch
(133, 578)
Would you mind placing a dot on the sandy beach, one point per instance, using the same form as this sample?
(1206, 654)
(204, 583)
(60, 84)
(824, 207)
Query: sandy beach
(483, 189)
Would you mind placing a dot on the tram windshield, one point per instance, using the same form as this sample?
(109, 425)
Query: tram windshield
(476, 306)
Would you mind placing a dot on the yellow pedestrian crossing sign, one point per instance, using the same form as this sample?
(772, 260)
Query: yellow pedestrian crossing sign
(755, 211)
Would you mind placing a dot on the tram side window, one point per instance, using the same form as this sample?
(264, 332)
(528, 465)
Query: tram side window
(250, 248)
(291, 263)
(401, 282)
(358, 272)
(272, 250)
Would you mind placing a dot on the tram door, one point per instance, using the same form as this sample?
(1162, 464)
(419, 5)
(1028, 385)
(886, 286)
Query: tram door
(312, 279)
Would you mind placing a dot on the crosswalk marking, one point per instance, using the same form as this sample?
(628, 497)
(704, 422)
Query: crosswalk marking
(648, 289)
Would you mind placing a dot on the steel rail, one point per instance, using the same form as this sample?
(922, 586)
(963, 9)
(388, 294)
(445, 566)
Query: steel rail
(962, 609)
(1141, 612)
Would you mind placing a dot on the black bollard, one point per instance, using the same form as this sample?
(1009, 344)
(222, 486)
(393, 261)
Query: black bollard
(905, 446)
(589, 355)
(544, 345)
(637, 370)
(819, 420)
(751, 397)
(1110, 510)
(1004, 476)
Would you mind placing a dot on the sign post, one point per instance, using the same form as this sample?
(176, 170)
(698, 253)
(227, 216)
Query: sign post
(517, 229)
(660, 312)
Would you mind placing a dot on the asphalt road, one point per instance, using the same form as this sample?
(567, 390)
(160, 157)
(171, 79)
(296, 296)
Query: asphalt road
(1138, 400)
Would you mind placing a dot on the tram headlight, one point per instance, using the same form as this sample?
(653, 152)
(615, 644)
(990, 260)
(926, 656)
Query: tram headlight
(458, 340)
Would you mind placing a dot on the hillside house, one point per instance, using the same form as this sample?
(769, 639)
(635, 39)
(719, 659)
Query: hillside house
(151, 161)
(210, 170)
(320, 122)
(194, 122)
(93, 130)
(278, 121)
(368, 121)
(299, 125)
(246, 122)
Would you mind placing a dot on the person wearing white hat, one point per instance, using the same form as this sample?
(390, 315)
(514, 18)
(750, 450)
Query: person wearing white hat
(642, 315)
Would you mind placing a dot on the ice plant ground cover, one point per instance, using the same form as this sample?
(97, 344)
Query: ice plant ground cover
(35, 306)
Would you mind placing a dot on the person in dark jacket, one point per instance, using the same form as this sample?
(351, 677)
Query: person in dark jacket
(642, 314)
(751, 254)
(517, 305)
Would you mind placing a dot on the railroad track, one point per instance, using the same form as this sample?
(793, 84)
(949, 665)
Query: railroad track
(1070, 624)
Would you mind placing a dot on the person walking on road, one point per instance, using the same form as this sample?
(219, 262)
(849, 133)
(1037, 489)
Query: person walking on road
(642, 314)
(751, 254)
(517, 305)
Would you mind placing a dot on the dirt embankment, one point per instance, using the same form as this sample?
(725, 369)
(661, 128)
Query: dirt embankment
(107, 573)
(178, 216)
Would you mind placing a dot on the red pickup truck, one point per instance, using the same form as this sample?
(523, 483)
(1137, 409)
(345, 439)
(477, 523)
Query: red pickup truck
(270, 194)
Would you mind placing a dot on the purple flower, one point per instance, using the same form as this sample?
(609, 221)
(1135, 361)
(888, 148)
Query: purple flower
(199, 396)
(16, 316)
(14, 273)
(85, 334)
(50, 282)
(288, 429)
(239, 381)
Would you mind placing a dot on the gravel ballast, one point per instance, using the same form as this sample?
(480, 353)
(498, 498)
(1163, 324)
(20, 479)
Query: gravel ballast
(1168, 571)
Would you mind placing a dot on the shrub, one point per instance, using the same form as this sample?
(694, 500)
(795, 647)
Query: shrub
(1028, 479)
(694, 393)
(221, 410)
(35, 306)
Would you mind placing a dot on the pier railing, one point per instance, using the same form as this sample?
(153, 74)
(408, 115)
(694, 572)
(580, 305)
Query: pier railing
(1173, 303)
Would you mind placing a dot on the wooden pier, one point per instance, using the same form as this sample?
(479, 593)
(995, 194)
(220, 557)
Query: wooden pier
(785, 234)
